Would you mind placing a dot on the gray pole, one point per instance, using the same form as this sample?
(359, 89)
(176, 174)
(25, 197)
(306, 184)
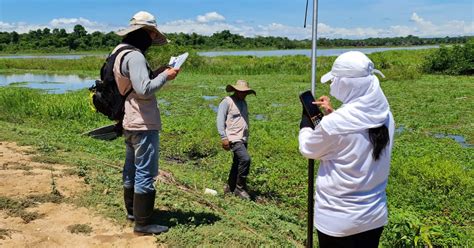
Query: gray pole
(309, 237)
(314, 46)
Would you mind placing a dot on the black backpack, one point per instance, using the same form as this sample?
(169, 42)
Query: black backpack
(106, 96)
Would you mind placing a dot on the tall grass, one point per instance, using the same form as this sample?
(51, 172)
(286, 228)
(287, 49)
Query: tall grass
(397, 65)
(430, 187)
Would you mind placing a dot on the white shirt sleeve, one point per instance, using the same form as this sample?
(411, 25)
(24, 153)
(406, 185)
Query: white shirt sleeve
(316, 144)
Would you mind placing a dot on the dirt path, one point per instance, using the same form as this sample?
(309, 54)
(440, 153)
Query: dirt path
(31, 217)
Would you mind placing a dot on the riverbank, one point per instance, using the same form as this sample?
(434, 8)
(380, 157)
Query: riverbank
(430, 185)
(329, 51)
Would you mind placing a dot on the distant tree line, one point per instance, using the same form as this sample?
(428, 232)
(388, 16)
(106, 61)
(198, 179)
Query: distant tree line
(48, 40)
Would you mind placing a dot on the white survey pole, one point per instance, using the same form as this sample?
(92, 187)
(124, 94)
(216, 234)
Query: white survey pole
(314, 46)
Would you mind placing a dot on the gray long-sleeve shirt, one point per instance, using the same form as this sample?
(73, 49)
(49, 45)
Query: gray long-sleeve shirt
(232, 119)
(141, 109)
(221, 118)
(135, 67)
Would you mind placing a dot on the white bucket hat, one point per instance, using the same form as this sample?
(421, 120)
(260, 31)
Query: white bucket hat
(351, 64)
(143, 19)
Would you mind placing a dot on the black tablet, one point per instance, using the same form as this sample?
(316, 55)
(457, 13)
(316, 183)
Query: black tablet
(311, 110)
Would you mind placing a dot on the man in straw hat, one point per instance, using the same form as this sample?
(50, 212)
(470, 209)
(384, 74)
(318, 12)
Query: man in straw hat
(233, 127)
(142, 121)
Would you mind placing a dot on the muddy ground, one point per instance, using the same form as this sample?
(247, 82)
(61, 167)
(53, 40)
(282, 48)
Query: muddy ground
(34, 211)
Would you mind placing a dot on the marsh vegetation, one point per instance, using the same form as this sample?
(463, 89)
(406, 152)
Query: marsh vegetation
(430, 188)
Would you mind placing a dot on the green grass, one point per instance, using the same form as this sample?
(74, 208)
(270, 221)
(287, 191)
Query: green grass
(80, 229)
(4, 233)
(17, 207)
(430, 188)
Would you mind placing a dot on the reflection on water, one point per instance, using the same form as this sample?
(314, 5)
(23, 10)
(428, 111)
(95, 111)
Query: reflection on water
(163, 102)
(52, 83)
(307, 52)
(260, 117)
(214, 108)
(458, 138)
(401, 129)
(209, 97)
(277, 104)
(70, 56)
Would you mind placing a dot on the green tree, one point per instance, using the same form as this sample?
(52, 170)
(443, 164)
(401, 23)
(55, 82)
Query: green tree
(79, 31)
(15, 37)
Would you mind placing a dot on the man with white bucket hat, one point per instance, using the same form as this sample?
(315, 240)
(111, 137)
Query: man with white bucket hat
(353, 144)
(233, 127)
(142, 121)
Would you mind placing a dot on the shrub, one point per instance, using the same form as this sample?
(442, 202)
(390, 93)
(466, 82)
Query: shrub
(456, 60)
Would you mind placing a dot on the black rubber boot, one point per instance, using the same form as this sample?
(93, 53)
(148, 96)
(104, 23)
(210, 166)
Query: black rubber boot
(128, 199)
(143, 205)
(241, 188)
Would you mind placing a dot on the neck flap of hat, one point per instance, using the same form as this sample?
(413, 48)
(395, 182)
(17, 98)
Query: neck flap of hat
(364, 105)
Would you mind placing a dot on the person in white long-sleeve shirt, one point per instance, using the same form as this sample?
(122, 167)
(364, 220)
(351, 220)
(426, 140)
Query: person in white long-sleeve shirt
(353, 144)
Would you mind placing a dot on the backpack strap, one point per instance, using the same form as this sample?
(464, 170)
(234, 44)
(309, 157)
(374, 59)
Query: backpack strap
(128, 92)
(128, 49)
(110, 61)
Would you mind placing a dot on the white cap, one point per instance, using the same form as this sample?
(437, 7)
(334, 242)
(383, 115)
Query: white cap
(145, 20)
(351, 64)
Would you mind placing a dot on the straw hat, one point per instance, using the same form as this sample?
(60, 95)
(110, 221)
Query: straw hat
(240, 85)
(143, 19)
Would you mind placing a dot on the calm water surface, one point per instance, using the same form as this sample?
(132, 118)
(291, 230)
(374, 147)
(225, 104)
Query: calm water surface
(57, 84)
(52, 83)
(64, 56)
(307, 52)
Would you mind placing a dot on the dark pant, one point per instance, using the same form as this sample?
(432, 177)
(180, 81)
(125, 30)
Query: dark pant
(240, 164)
(367, 239)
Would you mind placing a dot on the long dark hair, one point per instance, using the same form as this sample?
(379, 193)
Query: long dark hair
(379, 138)
(139, 39)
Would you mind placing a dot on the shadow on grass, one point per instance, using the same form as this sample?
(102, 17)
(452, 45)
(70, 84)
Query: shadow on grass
(264, 196)
(172, 218)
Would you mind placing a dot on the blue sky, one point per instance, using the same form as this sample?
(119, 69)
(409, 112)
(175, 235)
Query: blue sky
(337, 19)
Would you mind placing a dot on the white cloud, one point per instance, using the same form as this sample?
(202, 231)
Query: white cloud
(90, 26)
(210, 17)
(5, 26)
(450, 28)
(69, 21)
(66, 23)
(190, 26)
(212, 22)
(420, 27)
(19, 27)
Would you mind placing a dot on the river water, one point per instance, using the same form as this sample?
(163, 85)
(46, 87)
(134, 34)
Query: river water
(257, 53)
(307, 52)
(51, 83)
(57, 84)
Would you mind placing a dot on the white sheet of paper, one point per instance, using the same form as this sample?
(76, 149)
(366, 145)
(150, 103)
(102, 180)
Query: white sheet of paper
(177, 62)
